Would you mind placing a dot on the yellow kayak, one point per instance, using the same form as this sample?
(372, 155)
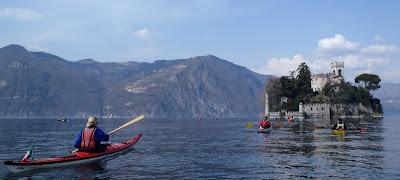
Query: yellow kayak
(338, 132)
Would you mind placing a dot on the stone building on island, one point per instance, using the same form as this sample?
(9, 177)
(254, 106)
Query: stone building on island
(318, 81)
(323, 110)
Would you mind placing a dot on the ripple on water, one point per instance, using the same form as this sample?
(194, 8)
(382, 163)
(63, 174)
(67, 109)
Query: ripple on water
(214, 149)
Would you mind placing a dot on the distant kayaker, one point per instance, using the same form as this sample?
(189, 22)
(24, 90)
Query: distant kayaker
(290, 119)
(339, 125)
(90, 137)
(264, 124)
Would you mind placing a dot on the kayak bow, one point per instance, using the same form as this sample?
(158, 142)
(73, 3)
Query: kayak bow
(75, 158)
(338, 132)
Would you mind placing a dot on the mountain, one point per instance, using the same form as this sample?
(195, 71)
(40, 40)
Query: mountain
(38, 84)
(389, 93)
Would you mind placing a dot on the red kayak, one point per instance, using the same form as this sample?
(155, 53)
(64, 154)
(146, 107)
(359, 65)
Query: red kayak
(72, 159)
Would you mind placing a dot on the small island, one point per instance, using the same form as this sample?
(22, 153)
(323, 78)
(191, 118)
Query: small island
(302, 95)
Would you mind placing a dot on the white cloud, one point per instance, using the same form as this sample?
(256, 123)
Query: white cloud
(336, 44)
(359, 61)
(34, 47)
(378, 59)
(380, 49)
(282, 66)
(351, 61)
(20, 14)
(142, 34)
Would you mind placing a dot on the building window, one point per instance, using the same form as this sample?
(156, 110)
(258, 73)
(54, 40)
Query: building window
(340, 72)
(322, 108)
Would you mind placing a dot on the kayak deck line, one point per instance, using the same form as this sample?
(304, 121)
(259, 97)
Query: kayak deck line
(73, 159)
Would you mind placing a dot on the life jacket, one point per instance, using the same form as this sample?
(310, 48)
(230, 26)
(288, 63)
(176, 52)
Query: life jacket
(340, 126)
(88, 141)
(290, 119)
(264, 124)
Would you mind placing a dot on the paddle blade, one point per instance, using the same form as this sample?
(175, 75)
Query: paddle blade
(249, 125)
(28, 155)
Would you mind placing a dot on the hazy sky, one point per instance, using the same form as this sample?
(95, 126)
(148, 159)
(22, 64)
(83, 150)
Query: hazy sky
(270, 37)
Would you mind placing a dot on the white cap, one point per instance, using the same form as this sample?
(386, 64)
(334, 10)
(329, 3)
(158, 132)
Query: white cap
(91, 122)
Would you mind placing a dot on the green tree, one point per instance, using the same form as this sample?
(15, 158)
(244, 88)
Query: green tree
(319, 98)
(274, 91)
(343, 92)
(303, 83)
(364, 96)
(288, 90)
(287, 85)
(296, 88)
(376, 105)
(303, 79)
(370, 81)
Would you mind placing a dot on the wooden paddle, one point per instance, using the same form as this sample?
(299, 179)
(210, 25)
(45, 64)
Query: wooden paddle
(137, 119)
(127, 124)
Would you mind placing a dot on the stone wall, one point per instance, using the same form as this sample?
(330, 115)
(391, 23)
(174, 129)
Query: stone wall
(317, 110)
(274, 115)
(325, 111)
(295, 114)
(350, 110)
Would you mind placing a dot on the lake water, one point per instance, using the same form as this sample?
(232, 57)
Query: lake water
(214, 149)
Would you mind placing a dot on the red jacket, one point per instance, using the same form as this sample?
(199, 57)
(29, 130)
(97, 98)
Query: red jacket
(88, 141)
(265, 124)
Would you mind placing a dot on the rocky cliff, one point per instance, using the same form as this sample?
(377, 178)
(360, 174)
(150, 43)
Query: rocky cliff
(38, 84)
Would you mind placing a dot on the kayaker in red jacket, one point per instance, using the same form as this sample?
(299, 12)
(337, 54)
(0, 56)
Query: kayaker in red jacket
(90, 137)
(264, 124)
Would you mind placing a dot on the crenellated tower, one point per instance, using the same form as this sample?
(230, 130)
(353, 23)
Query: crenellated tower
(337, 68)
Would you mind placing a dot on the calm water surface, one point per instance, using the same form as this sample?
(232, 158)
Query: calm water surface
(214, 148)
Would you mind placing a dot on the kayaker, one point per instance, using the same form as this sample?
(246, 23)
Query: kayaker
(339, 125)
(290, 119)
(90, 137)
(264, 124)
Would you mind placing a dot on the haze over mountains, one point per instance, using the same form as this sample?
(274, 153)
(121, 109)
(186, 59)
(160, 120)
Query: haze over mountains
(38, 84)
(389, 93)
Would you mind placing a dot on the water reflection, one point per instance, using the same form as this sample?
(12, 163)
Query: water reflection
(307, 150)
(87, 171)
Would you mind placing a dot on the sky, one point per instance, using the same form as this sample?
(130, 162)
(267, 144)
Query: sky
(269, 37)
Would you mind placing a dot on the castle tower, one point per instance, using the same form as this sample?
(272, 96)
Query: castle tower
(266, 104)
(301, 107)
(337, 68)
